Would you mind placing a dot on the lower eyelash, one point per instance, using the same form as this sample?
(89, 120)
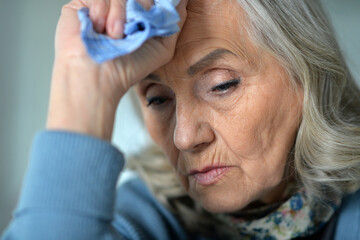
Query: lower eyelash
(226, 85)
(152, 101)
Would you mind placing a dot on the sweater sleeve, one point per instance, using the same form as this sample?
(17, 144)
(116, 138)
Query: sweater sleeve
(69, 190)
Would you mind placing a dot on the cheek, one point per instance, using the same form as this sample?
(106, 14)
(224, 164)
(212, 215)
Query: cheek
(162, 134)
(261, 132)
(238, 129)
(264, 122)
(154, 128)
(161, 130)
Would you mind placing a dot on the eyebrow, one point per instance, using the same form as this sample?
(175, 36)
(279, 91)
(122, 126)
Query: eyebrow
(208, 60)
(204, 62)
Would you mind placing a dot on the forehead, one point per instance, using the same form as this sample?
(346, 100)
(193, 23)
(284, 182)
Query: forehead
(211, 25)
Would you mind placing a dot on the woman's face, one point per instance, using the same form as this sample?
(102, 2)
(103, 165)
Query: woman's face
(224, 113)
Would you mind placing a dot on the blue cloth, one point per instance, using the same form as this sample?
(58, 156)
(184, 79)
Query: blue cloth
(160, 20)
(70, 193)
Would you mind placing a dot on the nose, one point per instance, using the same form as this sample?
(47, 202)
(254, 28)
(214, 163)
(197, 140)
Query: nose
(193, 131)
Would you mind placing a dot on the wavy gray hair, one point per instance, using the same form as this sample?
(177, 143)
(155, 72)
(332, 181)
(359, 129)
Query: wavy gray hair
(326, 155)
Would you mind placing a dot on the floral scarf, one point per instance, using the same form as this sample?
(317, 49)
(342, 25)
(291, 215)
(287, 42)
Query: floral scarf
(299, 216)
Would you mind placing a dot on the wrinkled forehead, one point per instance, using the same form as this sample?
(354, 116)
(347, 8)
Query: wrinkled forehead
(211, 25)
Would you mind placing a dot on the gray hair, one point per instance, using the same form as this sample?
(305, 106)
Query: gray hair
(299, 36)
(326, 155)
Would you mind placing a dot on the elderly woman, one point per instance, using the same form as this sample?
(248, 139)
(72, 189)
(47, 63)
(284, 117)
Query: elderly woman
(251, 105)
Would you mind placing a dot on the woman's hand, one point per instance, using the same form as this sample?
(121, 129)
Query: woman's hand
(84, 95)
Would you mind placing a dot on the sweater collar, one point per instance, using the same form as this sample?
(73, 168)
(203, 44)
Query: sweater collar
(299, 216)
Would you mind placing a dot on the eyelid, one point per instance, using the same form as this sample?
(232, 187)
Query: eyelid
(148, 86)
(157, 95)
(151, 100)
(160, 88)
(230, 83)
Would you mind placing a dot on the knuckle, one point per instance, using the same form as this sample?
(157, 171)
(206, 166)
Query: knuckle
(118, 6)
(117, 10)
(64, 8)
(118, 2)
(100, 7)
(167, 56)
(69, 6)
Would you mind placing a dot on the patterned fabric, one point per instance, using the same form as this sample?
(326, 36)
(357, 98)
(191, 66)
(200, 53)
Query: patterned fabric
(299, 216)
(160, 20)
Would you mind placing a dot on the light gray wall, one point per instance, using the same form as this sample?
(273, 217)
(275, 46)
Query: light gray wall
(26, 45)
(345, 16)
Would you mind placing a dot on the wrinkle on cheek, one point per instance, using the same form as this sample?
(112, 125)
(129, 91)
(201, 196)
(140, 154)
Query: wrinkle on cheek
(265, 130)
(276, 130)
(217, 157)
(235, 128)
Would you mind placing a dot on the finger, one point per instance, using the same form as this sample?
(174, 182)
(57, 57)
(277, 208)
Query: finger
(116, 18)
(98, 13)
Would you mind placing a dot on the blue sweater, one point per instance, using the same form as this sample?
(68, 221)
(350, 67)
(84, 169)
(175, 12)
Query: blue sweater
(70, 193)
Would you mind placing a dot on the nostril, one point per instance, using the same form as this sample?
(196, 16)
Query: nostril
(200, 146)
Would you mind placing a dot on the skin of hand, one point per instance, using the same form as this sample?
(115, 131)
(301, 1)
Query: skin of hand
(224, 111)
(84, 95)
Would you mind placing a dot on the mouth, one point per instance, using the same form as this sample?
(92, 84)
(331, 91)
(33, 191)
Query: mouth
(209, 175)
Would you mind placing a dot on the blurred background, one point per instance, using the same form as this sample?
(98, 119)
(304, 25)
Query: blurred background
(26, 53)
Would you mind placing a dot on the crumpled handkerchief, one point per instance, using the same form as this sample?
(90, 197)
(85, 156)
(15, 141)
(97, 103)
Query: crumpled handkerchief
(160, 20)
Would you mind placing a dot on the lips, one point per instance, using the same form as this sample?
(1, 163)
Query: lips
(209, 175)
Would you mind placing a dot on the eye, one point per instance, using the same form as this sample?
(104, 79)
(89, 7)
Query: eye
(224, 87)
(156, 101)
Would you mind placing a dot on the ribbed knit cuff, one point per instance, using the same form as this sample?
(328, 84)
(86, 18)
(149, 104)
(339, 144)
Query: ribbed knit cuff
(70, 171)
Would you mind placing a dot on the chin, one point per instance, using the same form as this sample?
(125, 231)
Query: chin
(219, 200)
(218, 206)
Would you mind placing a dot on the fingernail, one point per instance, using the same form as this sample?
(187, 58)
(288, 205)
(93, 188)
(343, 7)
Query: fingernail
(99, 26)
(117, 30)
